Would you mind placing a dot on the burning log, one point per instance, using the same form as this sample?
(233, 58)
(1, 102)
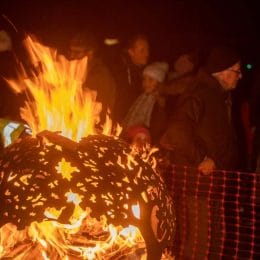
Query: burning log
(50, 180)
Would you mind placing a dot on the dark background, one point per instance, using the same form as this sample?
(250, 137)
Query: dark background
(173, 26)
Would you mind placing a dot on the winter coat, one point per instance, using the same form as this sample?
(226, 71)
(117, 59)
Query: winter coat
(170, 92)
(201, 126)
(128, 78)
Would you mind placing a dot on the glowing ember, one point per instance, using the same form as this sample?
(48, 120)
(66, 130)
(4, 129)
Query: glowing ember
(67, 196)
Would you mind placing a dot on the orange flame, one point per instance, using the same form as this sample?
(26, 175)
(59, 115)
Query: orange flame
(59, 103)
(46, 237)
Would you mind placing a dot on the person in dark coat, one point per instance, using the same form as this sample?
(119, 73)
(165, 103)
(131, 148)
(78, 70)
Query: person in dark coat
(128, 74)
(200, 135)
(200, 132)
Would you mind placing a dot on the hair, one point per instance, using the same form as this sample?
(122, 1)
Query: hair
(131, 41)
(194, 57)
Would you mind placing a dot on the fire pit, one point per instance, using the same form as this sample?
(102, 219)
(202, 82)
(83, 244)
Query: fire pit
(79, 197)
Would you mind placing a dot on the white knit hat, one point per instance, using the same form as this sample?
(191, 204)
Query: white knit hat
(156, 70)
(5, 41)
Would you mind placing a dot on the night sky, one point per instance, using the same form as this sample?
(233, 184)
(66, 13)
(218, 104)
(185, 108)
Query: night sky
(172, 26)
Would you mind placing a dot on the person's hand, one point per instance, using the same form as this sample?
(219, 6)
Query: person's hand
(207, 166)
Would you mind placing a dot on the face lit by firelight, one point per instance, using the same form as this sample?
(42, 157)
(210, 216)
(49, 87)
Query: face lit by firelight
(229, 78)
(150, 85)
(139, 52)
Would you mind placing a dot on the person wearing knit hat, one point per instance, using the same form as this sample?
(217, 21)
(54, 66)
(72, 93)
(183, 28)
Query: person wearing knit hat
(223, 63)
(156, 71)
(140, 112)
(200, 135)
(153, 75)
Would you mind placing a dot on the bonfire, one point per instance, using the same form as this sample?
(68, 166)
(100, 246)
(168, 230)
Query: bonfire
(70, 191)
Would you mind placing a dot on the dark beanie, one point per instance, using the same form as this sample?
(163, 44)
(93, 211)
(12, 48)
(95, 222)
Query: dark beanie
(221, 58)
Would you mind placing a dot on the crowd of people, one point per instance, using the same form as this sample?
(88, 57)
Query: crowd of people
(185, 110)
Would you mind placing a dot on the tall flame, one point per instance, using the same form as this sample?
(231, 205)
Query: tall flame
(56, 98)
